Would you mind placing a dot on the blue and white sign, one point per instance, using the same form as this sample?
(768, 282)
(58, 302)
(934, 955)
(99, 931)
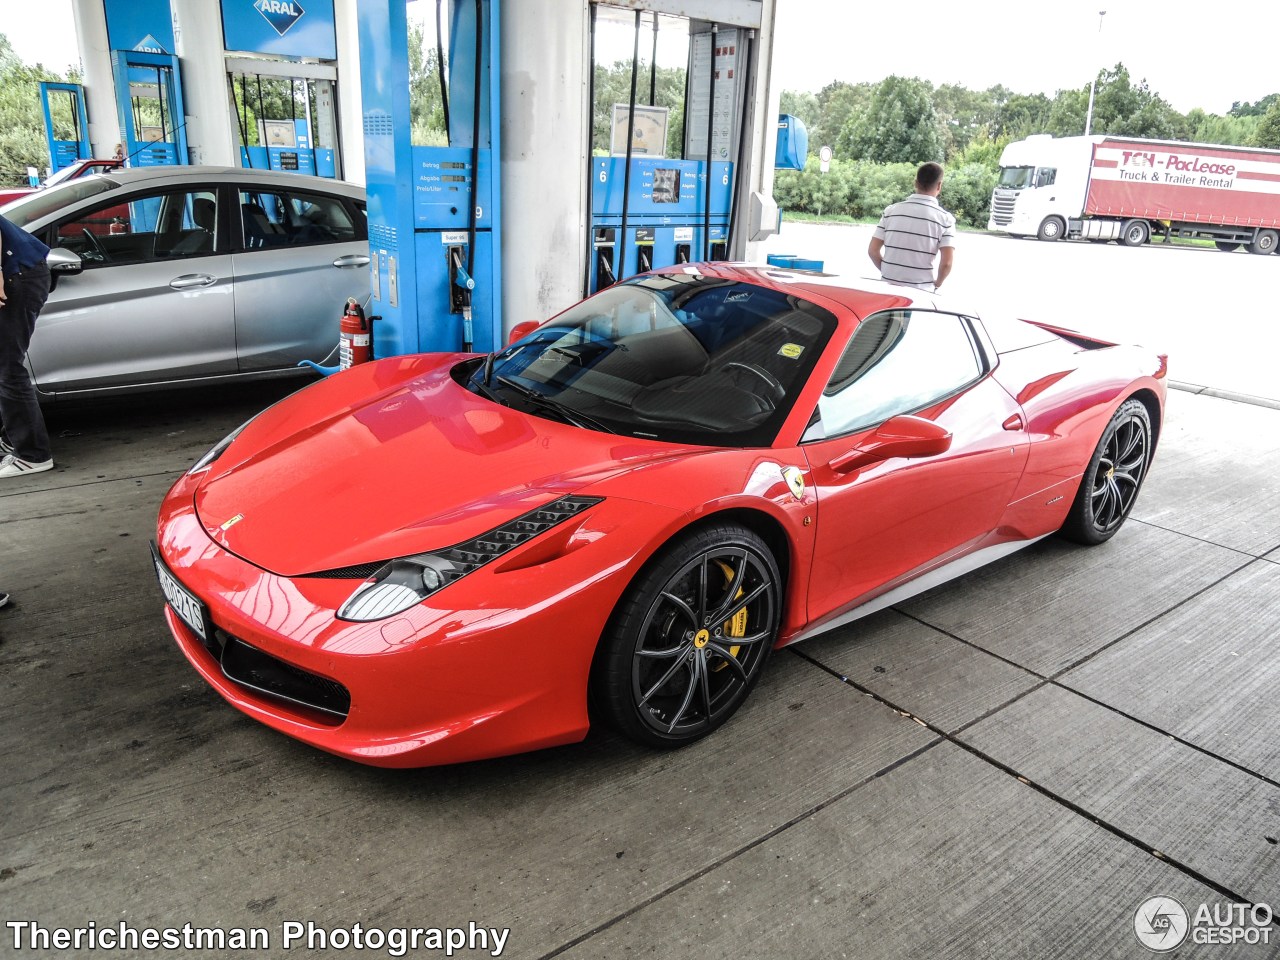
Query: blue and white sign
(281, 14)
(142, 25)
(149, 44)
(286, 28)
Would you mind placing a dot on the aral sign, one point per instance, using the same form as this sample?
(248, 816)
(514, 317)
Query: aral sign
(281, 14)
(286, 28)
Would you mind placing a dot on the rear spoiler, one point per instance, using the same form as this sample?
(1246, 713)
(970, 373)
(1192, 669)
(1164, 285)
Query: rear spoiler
(1073, 336)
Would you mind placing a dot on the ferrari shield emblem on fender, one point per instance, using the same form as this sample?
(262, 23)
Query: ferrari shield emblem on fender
(795, 481)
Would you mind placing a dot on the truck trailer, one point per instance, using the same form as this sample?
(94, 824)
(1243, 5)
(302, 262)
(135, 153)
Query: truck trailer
(1120, 188)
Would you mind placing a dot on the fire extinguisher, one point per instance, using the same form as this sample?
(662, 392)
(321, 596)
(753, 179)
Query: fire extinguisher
(356, 336)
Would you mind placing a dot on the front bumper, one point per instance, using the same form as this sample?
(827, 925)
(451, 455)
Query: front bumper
(503, 668)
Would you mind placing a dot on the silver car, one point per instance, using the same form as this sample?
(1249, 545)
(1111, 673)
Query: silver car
(171, 275)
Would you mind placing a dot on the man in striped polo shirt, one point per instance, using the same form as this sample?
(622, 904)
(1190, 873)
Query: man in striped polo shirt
(915, 232)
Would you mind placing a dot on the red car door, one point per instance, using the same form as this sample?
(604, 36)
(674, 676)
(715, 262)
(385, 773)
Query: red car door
(883, 520)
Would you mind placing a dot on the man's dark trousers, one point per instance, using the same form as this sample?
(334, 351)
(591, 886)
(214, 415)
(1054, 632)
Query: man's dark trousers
(25, 294)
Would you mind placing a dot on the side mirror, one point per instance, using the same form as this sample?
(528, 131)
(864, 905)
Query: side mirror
(903, 436)
(522, 330)
(62, 260)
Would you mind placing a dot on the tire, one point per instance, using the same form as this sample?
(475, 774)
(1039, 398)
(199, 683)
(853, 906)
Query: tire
(1051, 229)
(1135, 233)
(677, 659)
(1265, 242)
(1113, 477)
(1227, 246)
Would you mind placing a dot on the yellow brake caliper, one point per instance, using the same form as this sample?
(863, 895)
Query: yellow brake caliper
(735, 626)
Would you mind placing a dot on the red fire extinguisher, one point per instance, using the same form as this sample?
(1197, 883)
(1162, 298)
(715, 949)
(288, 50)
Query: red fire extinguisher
(356, 336)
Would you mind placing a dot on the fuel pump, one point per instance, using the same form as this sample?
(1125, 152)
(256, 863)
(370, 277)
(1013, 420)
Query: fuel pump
(149, 99)
(284, 122)
(65, 127)
(660, 198)
(434, 207)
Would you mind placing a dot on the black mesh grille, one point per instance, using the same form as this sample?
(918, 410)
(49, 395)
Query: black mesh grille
(264, 673)
(360, 571)
(475, 553)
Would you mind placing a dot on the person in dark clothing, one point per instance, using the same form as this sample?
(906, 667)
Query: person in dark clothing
(24, 441)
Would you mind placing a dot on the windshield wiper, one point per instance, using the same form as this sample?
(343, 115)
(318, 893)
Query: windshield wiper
(481, 383)
(551, 406)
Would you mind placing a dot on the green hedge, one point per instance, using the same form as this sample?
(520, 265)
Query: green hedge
(861, 189)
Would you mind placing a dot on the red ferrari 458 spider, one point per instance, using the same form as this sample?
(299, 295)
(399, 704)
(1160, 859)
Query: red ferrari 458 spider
(436, 558)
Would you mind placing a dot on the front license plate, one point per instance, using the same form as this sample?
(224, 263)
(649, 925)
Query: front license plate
(183, 602)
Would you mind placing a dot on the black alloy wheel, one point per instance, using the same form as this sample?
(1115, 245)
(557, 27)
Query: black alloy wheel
(1113, 477)
(690, 638)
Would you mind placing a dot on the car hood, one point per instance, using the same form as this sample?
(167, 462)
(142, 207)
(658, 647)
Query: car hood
(351, 472)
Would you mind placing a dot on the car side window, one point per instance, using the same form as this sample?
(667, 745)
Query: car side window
(1046, 176)
(288, 219)
(898, 361)
(142, 229)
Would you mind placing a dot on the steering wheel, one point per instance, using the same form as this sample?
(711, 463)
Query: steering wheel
(96, 244)
(775, 388)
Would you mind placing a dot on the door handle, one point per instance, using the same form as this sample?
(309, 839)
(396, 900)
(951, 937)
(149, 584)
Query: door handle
(1014, 422)
(352, 260)
(192, 280)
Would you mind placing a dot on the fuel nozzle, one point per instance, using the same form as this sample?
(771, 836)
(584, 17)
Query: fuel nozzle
(460, 286)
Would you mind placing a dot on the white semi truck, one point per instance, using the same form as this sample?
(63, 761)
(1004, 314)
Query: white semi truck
(1119, 188)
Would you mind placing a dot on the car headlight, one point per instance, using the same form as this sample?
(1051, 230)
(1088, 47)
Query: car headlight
(399, 584)
(219, 448)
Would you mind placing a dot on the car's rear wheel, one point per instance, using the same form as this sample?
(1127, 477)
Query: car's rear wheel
(1226, 246)
(690, 637)
(1113, 477)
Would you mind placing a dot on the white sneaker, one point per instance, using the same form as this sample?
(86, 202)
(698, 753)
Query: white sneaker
(13, 466)
(5, 449)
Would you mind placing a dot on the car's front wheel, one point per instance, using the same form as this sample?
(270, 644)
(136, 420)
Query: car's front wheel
(690, 637)
(1113, 477)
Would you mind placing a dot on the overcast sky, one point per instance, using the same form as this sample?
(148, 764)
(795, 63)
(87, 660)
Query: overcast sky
(1193, 53)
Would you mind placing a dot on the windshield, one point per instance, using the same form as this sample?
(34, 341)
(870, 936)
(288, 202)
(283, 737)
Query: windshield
(1016, 178)
(680, 357)
(76, 171)
(33, 206)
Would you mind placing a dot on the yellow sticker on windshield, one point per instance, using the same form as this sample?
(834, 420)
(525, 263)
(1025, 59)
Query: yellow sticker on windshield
(791, 351)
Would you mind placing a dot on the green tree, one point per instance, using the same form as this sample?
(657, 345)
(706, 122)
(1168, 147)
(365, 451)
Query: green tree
(1244, 109)
(1022, 115)
(22, 135)
(613, 86)
(426, 108)
(838, 104)
(962, 113)
(1268, 132)
(899, 125)
(1205, 127)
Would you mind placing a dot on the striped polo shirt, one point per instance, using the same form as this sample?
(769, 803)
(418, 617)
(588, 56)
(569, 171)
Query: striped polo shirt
(913, 231)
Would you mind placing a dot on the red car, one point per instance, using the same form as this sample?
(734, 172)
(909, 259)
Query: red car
(436, 558)
(81, 168)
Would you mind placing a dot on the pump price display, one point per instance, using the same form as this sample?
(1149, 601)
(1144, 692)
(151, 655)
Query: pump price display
(442, 190)
(666, 185)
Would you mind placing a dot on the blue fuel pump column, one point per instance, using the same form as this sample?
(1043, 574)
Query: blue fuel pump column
(434, 212)
(66, 126)
(149, 98)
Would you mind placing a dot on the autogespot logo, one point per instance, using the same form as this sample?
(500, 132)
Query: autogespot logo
(1161, 924)
(281, 14)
